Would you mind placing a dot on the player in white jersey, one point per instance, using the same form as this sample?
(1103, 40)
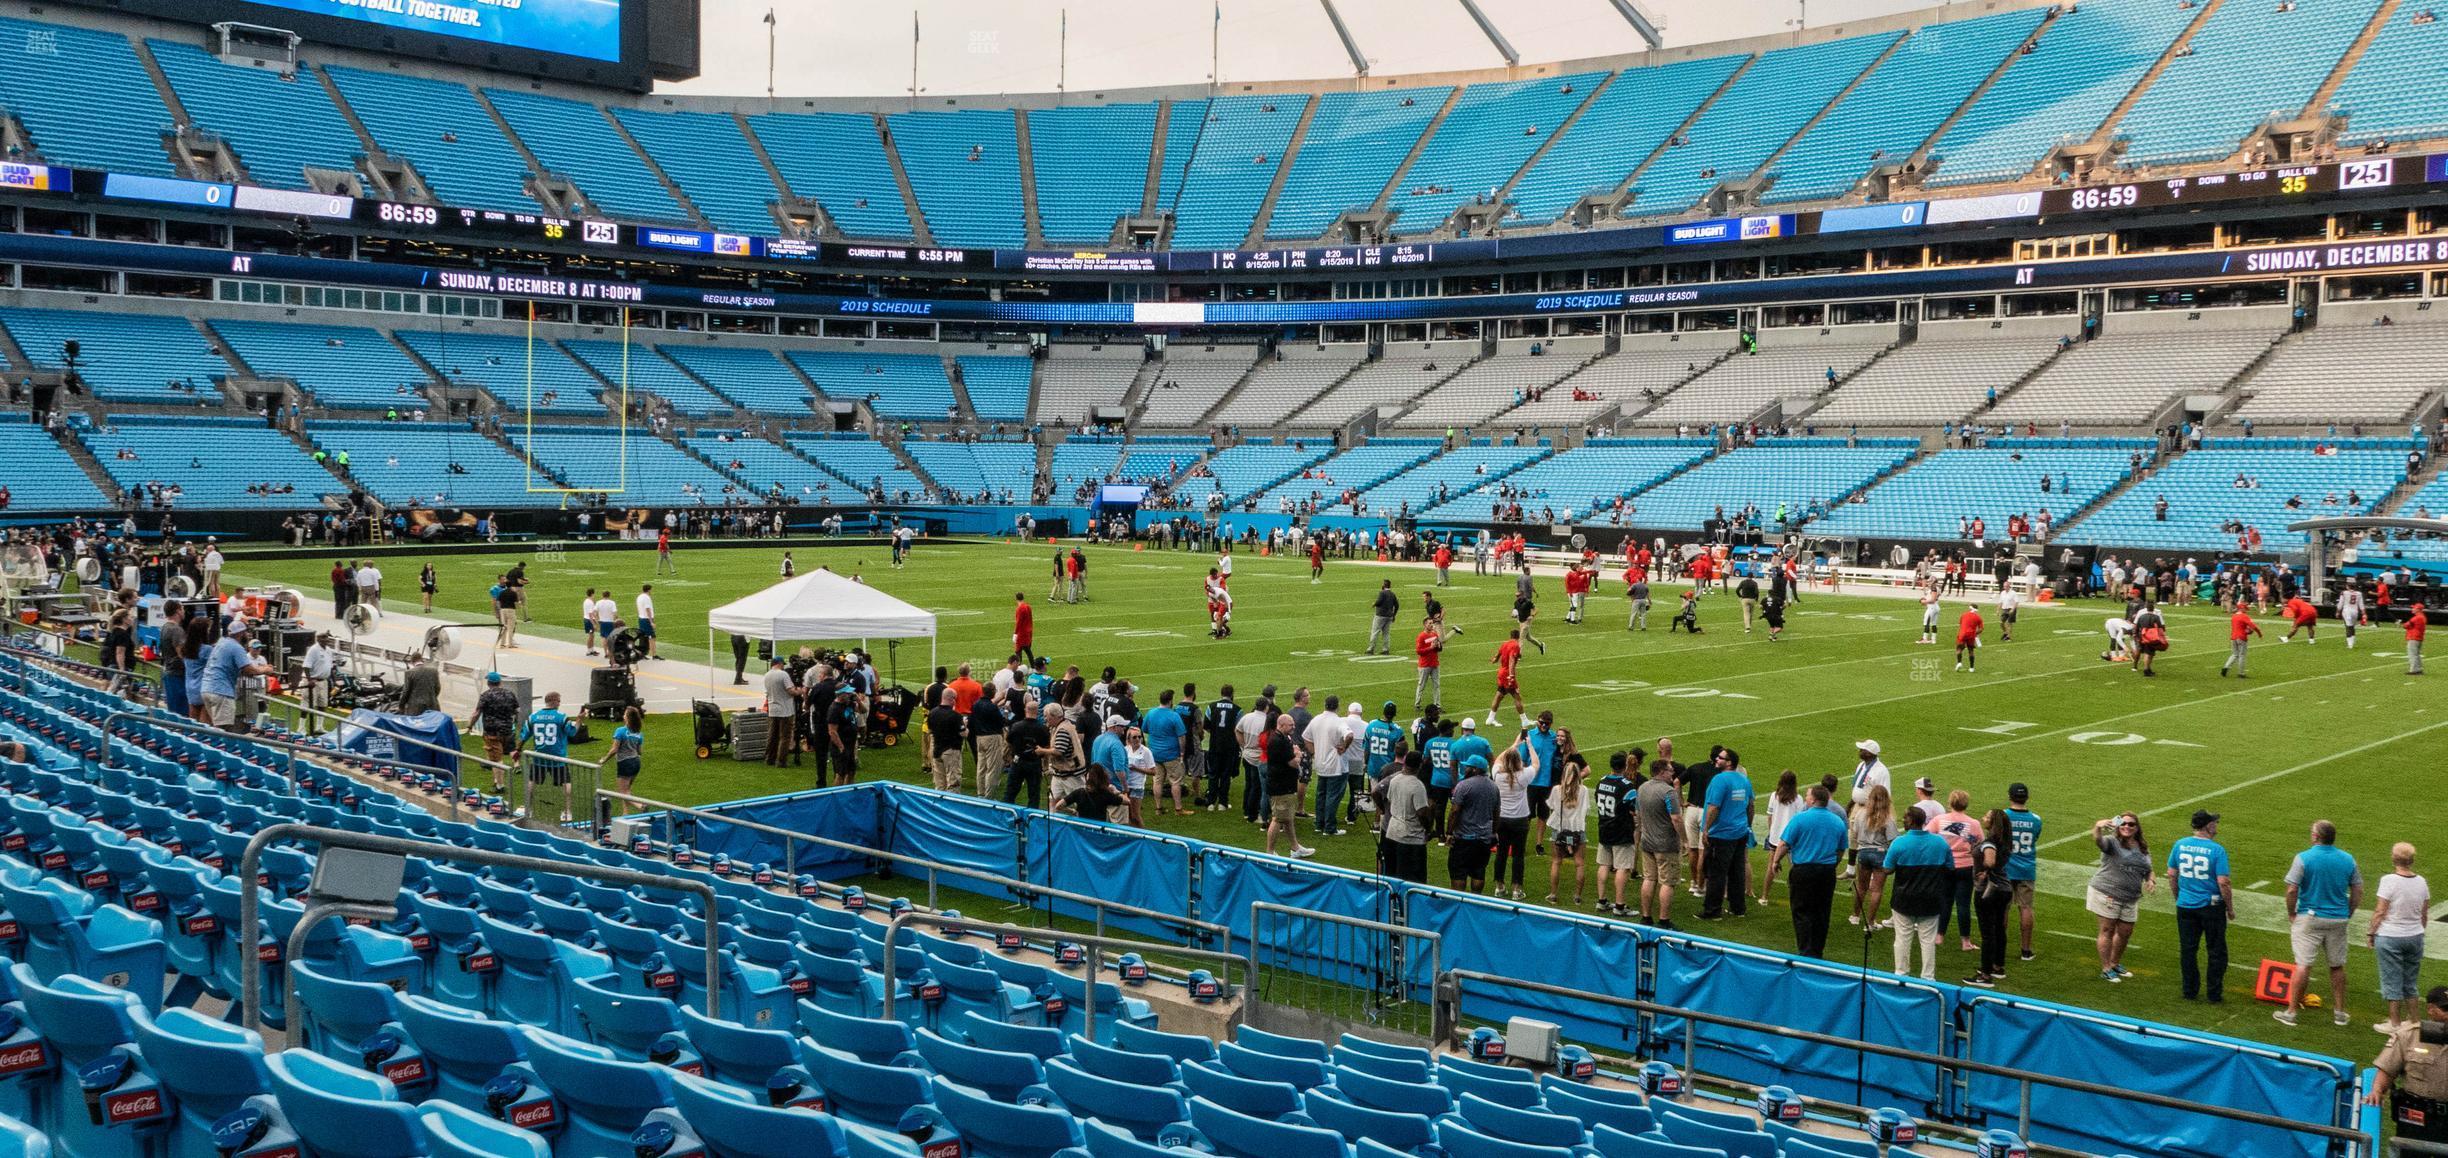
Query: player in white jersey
(1219, 605)
(2120, 640)
(2350, 610)
(1223, 566)
(2008, 602)
(1929, 613)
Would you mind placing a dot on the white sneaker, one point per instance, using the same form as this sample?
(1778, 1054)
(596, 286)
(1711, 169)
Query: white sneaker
(1303, 853)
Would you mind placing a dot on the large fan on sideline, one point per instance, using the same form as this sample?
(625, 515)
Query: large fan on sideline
(442, 643)
(626, 647)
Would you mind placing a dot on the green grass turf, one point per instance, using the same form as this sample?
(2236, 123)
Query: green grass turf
(2319, 731)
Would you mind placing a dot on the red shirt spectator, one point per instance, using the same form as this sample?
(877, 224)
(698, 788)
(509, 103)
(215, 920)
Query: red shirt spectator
(2241, 627)
(1427, 646)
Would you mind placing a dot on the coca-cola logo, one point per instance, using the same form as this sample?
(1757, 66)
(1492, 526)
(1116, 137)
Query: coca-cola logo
(135, 1106)
(268, 954)
(483, 963)
(200, 925)
(663, 980)
(17, 1059)
(406, 1072)
(693, 1069)
(534, 1115)
(946, 1149)
(54, 861)
(13, 842)
(1493, 1050)
(145, 902)
(801, 985)
(11, 931)
(421, 942)
(1906, 1132)
(94, 881)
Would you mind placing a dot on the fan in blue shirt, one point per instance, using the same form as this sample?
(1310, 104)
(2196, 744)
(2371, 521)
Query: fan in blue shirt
(1814, 836)
(2022, 837)
(2324, 881)
(547, 732)
(1165, 729)
(1378, 742)
(1729, 802)
(1542, 740)
(2197, 864)
(1468, 744)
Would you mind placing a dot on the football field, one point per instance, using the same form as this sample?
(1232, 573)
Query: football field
(2317, 731)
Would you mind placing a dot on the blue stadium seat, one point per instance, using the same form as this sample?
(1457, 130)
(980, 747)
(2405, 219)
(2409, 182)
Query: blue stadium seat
(1040, 1041)
(67, 932)
(994, 1129)
(1299, 1072)
(464, 1049)
(1218, 176)
(340, 1112)
(635, 1027)
(1399, 1095)
(123, 357)
(1794, 1142)
(708, 155)
(1613, 1143)
(876, 1095)
(206, 1069)
(1533, 1127)
(1492, 130)
(1143, 1110)
(1090, 168)
(81, 1022)
(733, 1124)
(1405, 1132)
(538, 976)
(1149, 1039)
(453, 1132)
(1355, 142)
(999, 1075)
(1258, 1134)
(737, 1054)
(964, 167)
(1596, 1106)
(1107, 1141)
(1252, 1038)
(1243, 1095)
(1461, 1141)
(1503, 1091)
(574, 139)
(1687, 1130)
(601, 1098)
(1618, 130)
(1392, 1069)
(751, 994)
(841, 984)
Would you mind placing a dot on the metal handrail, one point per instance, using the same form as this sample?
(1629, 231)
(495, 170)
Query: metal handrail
(1449, 1007)
(250, 918)
(790, 858)
(292, 747)
(1089, 964)
(1435, 939)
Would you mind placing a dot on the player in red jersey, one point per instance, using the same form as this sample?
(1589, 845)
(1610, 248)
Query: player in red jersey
(1317, 559)
(1508, 676)
(1967, 639)
(1219, 606)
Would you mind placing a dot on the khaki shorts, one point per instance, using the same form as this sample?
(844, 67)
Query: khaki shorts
(1661, 868)
(2024, 894)
(1170, 774)
(1280, 808)
(2108, 908)
(2318, 940)
(496, 747)
(221, 711)
(1695, 826)
(1621, 858)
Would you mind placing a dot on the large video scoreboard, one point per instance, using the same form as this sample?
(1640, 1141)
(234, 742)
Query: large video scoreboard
(592, 41)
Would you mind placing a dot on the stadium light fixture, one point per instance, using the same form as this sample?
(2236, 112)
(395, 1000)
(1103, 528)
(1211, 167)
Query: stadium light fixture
(1487, 28)
(1351, 47)
(1651, 31)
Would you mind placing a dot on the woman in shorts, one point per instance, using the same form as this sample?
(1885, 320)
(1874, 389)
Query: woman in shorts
(1568, 824)
(628, 751)
(2115, 892)
(1874, 828)
(1141, 767)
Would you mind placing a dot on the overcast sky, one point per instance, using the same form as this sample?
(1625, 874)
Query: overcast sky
(862, 47)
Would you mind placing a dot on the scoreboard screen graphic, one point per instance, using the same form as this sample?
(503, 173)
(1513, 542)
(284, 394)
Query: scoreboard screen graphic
(584, 28)
(596, 42)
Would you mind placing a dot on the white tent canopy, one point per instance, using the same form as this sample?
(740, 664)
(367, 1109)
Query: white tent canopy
(821, 605)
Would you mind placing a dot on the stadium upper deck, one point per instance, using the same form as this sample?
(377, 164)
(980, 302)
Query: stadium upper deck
(1995, 93)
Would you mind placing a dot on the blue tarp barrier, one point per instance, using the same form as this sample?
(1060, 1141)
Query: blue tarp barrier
(1550, 948)
(1122, 865)
(434, 727)
(960, 831)
(851, 815)
(2056, 1039)
(1230, 881)
(1809, 995)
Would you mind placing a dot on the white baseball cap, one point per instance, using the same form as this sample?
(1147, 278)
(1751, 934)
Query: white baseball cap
(1870, 746)
(1469, 724)
(1117, 720)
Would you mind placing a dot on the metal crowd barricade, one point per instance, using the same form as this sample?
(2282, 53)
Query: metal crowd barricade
(1090, 962)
